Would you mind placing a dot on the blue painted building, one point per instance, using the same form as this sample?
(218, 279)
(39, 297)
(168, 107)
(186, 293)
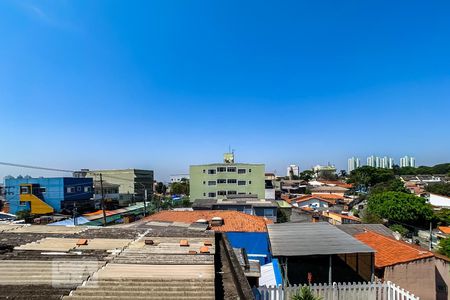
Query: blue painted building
(49, 195)
(256, 244)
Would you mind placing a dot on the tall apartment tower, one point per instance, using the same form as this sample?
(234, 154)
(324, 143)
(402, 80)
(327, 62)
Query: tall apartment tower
(353, 164)
(294, 169)
(407, 161)
(371, 161)
(380, 162)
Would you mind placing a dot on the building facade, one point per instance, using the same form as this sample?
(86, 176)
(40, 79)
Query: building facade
(293, 170)
(49, 195)
(353, 164)
(216, 181)
(380, 162)
(407, 161)
(132, 182)
(179, 178)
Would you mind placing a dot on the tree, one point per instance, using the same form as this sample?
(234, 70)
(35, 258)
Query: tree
(395, 185)
(160, 188)
(179, 188)
(439, 188)
(400, 207)
(399, 228)
(369, 176)
(444, 247)
(305, 293)
(443, 216)
(306, 175)
(343, 173)
(369, 218)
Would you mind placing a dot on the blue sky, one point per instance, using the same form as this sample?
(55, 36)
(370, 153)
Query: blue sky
(166, 84)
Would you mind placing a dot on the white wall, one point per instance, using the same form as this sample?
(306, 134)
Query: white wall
(438, 200)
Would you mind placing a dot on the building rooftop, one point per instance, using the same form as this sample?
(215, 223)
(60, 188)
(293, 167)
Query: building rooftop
(390, 251)
(233, 221)
(444, 229)
(304, 239)
(353, 229)
(338, 189)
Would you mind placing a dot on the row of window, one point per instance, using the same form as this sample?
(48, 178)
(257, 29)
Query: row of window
(229, 181)
(72, 189)
(227, 169)
(224, 193)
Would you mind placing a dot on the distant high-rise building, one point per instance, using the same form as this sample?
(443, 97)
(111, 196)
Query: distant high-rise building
(353, 163)
(294, 169)
(380, 162)
(407, 161)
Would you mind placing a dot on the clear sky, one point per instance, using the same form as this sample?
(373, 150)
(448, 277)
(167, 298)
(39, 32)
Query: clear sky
(165, 84)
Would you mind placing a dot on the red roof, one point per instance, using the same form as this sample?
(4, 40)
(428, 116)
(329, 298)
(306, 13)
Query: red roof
(444, 229)
(309, 197)
(390, 251)
(233, 221)
(337, 183)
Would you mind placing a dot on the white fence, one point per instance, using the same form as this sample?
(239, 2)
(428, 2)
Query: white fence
(340, 291)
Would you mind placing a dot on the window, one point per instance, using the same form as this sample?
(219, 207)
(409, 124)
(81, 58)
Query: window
(212, 195)
(204, 182)
(221, 193)
(220, 181)
(24, 190)
(232, 192)
(87, 189)
(212, 182)
(242, 182)
(204, 171)
(211, 171)
(231, 169)
(242, 171)
(70, 189)
(249, 182)
(268, 213)
(249, 170)
(232, 181)
(78, 188)
(241, 193)
(221, 169)
(43, 190)
(204, 194)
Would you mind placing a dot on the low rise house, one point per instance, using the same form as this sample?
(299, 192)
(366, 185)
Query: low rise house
(439, 201)
(321, 252)
(326, 189)
(311, 201)
(249, 204)
(335, 218)
(41, 196)
(408, 266)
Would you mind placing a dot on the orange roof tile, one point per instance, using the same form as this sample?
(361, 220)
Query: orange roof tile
(444, 229)
(389, 251)
(330, 196)
(233, 221)
(337, 183)
(309, 197)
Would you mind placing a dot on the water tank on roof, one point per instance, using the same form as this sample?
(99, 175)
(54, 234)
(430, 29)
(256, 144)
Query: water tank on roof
(201, 221)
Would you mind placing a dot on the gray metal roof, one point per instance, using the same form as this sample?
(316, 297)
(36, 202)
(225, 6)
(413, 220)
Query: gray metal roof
(353, 229)
(303, 239)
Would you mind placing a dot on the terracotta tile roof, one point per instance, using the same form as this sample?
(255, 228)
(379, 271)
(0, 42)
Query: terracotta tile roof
(233, 221)
(444, 229)
(330, 196)
(309, 197)
(390, 251)
(337, 183)
(345, 216)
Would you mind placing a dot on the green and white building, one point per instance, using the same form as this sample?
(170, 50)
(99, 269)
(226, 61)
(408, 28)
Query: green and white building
(219, 180)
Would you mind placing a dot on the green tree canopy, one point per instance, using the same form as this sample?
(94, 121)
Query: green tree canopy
(306, 175)
(400, 207)
(439, 188)
(180, 188)
(395, 185)
(444, 247)
(368, 176)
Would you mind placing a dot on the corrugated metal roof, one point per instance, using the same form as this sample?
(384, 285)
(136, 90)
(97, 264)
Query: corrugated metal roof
(303, 239)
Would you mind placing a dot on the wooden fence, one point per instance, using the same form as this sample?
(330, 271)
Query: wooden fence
(340, 291)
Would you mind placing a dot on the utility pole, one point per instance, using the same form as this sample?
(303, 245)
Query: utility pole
(103, 200)
(431, 237)
(145, 202)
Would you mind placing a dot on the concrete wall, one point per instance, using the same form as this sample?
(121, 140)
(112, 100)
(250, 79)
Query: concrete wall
(442, 278)
(200, 178)
(417, 277)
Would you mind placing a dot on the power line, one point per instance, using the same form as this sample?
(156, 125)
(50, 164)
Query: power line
(35, 167)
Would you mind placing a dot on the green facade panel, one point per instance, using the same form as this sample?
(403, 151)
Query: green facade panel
(222, 179)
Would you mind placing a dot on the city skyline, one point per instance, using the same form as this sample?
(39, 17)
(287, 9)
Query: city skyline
(161, 86)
